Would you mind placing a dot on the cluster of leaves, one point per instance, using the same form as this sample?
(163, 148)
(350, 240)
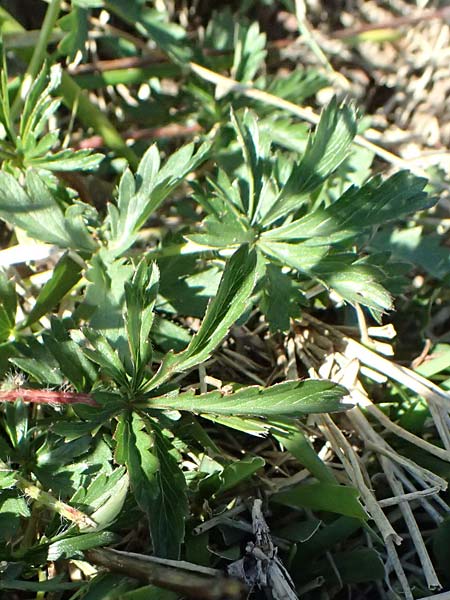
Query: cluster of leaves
(282, 213)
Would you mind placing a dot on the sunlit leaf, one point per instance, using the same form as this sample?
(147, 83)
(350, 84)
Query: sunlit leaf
(289, 399)
(227, 306)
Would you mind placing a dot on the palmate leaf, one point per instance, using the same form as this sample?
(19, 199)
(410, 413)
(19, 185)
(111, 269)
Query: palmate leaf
(417, 246)
(224, 231)
(104, 355)
(356, 281)
(227, 306)
(33, 144)
(360, 284)
(374, 204)
(296, 86)
(288, 399)
(325, 151)
(171, 507)
(142, 194)
(157, 483)
(170, 37)
(249, 51)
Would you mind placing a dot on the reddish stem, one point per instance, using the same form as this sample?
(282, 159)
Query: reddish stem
(47, 397)
(167, 131)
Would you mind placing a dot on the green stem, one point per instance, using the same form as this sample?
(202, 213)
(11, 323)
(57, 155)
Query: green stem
(39, 53)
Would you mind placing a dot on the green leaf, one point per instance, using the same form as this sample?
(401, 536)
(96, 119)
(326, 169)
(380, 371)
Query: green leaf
(104, 299)
(73, 363)
(38, 106)
(169, 336)
(249, 51)
(5, 109)
(140, 297)
(149, 592)
(171, 507)
(141, 195)
(356, 566)
(297, 85)
(12, 511)
(72, 546)
(34, 210)
(356, 283)
(441, 547)
(105, 497)
(157, 483)
(302, 256)
(66, 160)
(224, 231)
(39, 363)
(280, 300)
(8, 306)
(436, 362)
(375, 203)
(133, 449)
(65, 275)
(227, 306)
(296, 442)
(324, 496)
(417, 246)
(186, 287)
(53, 585)
(239, 471)
(16, 422)
(247, 133)
(75, 23)
(106, 356)
(289, 399)
(251, 426)
(169, 37)
(325, 151)
(285, 132)
(332, 533)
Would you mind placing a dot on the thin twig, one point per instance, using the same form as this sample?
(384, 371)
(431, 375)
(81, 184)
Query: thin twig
(428, 569)
(411, 496)
(170, 578)
(408, 464)
(371, 504)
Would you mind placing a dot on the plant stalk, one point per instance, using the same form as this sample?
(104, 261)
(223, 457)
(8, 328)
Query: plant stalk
(39, 54)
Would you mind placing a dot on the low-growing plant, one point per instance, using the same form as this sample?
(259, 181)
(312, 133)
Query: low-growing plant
(106, 411)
